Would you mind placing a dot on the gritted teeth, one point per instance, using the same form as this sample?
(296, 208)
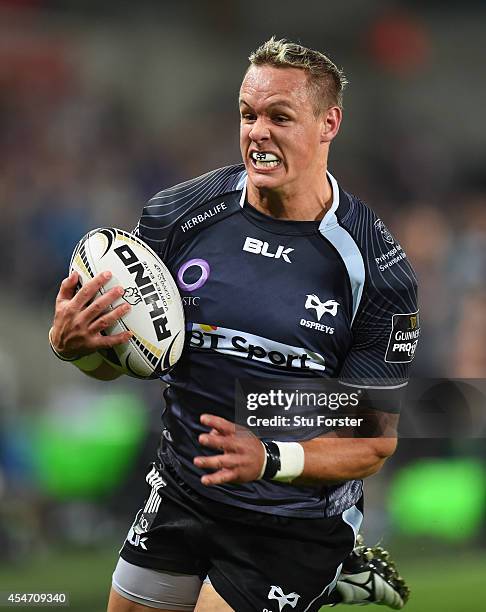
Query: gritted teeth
(261, 156)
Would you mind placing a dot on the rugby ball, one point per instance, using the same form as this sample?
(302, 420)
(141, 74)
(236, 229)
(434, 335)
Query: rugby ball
(156, 318)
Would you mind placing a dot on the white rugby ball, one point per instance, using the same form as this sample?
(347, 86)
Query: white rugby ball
(156, 318)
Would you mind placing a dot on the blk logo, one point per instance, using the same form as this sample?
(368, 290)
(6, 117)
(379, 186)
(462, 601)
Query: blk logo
(283, 600)
(314, 303)
(253, 245)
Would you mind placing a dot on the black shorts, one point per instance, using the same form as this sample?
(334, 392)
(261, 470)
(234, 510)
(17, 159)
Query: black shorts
(255, 561)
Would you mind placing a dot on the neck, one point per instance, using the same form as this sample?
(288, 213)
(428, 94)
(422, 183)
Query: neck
(310, 204)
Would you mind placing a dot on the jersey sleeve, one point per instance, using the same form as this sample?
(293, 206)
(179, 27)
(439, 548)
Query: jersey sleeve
(161, 214)
(386, 327)
(145, 230)
(385, 336)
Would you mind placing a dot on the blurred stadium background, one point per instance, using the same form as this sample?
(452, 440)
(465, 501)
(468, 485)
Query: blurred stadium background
(104, 103)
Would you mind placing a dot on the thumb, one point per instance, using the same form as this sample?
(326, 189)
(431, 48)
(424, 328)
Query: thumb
(68, 286)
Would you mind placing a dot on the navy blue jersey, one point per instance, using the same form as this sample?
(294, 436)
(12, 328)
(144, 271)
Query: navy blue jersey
(267, 298)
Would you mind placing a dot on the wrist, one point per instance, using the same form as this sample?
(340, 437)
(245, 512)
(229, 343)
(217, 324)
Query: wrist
(86, 363)
(284, 461)
(57, 353)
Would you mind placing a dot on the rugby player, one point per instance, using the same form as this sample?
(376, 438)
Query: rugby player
(285, 275)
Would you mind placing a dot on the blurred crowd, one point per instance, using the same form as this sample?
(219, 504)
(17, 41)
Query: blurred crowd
(75, 158)
(71, 161)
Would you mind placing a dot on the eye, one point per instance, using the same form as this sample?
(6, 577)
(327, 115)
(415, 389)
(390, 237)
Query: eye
(281, 118)
(245, 116)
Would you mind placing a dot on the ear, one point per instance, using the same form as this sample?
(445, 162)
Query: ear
(330, 123)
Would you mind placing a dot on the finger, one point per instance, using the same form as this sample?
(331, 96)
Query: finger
(101, 303)
(101, 342)
(216, 441)
(109, 319)
(217, 462)
(90, 289)
(220, 477)
(222, 425)
(68, 287)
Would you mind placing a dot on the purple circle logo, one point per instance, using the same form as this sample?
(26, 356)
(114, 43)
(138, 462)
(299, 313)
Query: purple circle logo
(204, 271)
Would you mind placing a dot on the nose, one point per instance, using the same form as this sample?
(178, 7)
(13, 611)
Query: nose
(259, 130)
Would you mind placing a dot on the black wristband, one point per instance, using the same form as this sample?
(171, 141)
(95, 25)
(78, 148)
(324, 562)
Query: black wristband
(273, 460)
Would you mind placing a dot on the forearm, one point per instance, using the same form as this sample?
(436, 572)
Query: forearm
(93, 365)
(103, 372)
(331, 459)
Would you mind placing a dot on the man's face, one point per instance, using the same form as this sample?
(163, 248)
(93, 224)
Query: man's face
(280, 137)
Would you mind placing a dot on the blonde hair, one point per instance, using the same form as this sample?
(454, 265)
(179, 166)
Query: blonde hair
(325, 78)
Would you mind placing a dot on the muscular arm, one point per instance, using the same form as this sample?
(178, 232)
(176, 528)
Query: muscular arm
(343, 456)
(328, 459)
(332, 459)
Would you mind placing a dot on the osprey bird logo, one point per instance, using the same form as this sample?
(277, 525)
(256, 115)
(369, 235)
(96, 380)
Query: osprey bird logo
(276, 593)
(331, 306)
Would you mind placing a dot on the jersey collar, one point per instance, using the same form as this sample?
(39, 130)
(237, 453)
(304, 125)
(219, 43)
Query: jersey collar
(329, 218)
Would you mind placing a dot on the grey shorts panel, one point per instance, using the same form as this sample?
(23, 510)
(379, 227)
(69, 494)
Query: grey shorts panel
(156, 589)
